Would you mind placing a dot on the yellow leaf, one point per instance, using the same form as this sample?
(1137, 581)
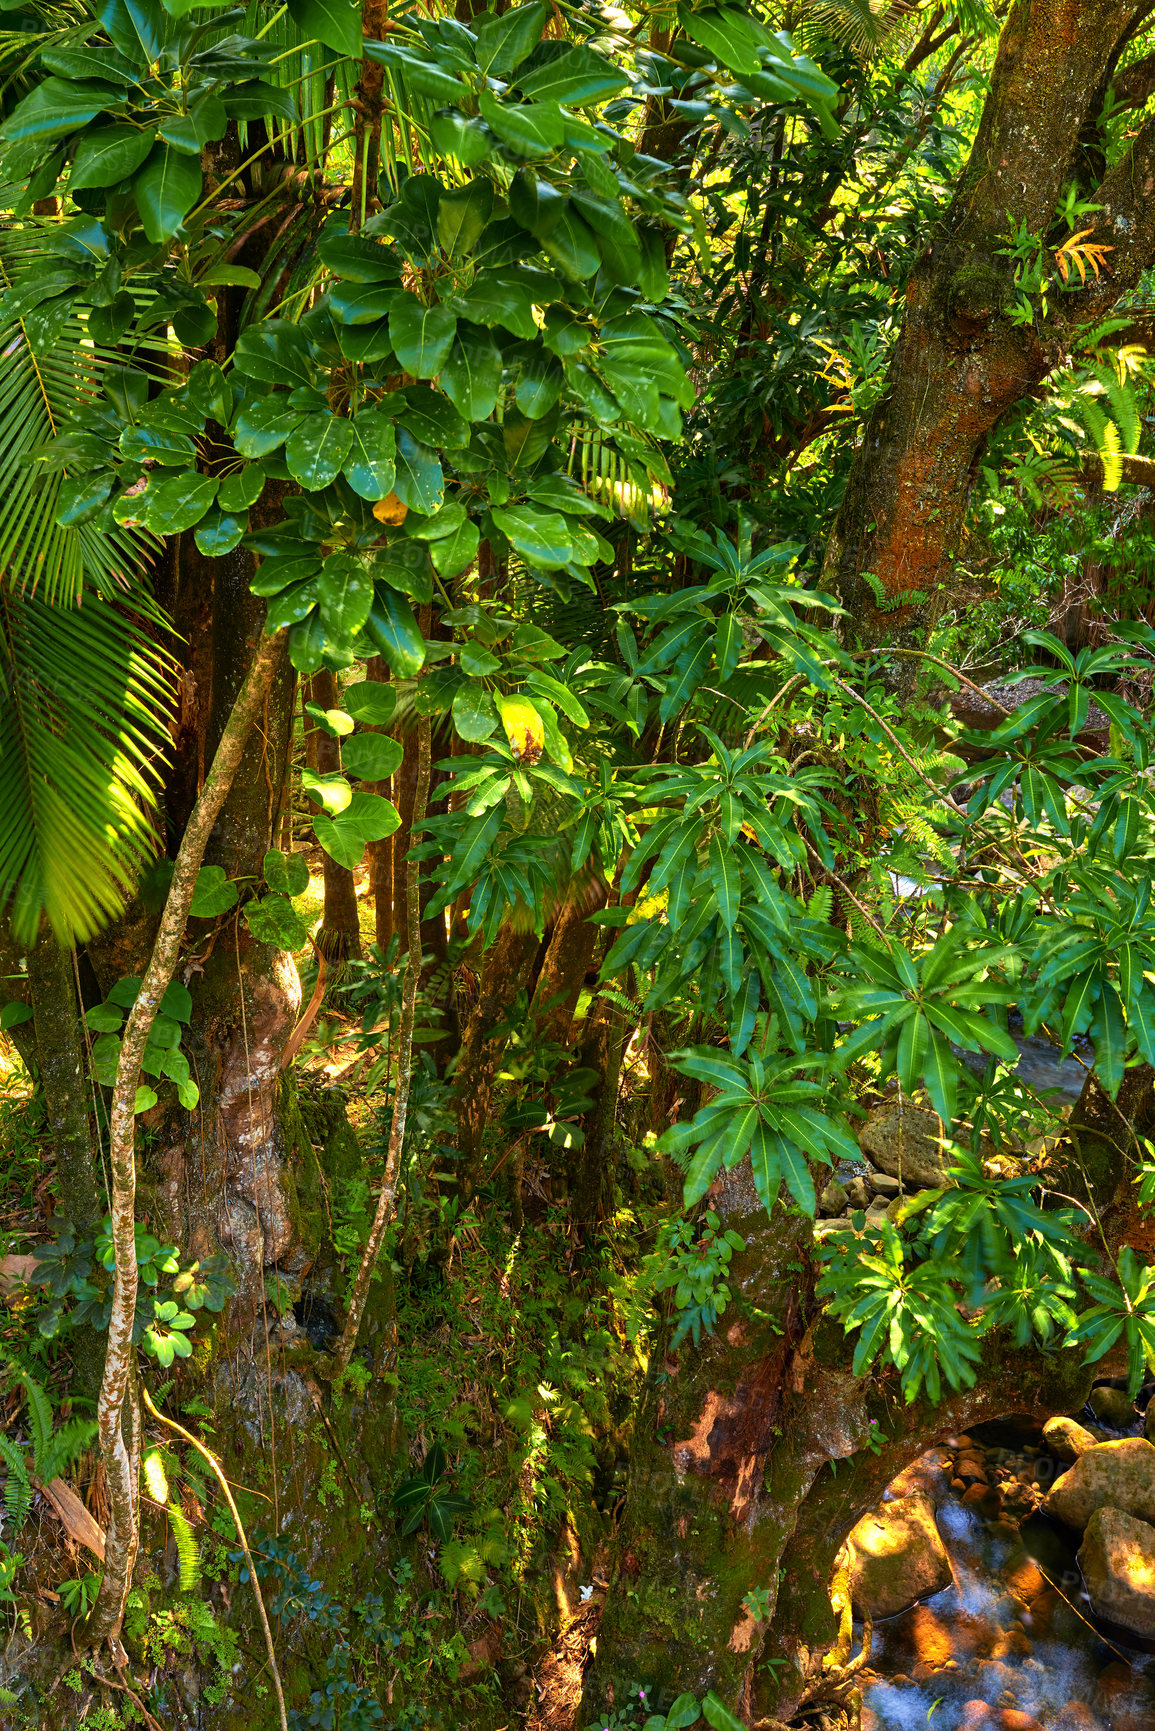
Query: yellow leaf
(524, 728)
(390, 510)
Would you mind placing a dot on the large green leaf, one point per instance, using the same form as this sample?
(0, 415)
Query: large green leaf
(393, 631)
(108, 154)
(576, 77)
(368, 817)
(55, 108)
(418, 482)
(166, 189)
(371, 465)
(421, 335)
(175, 504)
(503, 43)
(316, 451)
(530, 130)
(371, 756)
(345, 593)
(541, 537)
(336, 23)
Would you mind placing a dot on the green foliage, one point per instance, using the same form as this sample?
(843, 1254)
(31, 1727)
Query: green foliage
(426, 1501)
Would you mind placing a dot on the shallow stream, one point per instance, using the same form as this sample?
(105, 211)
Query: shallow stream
(1012, 1644)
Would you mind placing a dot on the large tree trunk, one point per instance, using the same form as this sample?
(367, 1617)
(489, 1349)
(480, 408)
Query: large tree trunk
(68, 1092)
(732, 1484)
(960, 363)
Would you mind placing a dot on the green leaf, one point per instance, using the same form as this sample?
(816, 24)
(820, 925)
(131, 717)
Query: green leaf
(317, 450)
(531, 130)
(336, 23)
(474, 711)
(54, 109)
(14, 1013)
(419, 481)
(393, 631)
(541, 537)
(572, 246)
(421, 336)
(371, 466)
(503, 43)
(345, 593)
(166, 189)
(178, 502)
(371, 756)
(576, 77)
(455, 135)
(242, 488)
(264, 425)
(274, 920)
(144, 1100)
(456, 551)
(367, 818)
(726, 880)
(371, 701)
(218, 534)
(462, 213)
(214, 893)
(273, 350)
(109, 154)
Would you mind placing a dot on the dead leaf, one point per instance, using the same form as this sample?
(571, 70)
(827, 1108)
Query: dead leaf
(390, 510)
(67, 1505)
(15, 1272)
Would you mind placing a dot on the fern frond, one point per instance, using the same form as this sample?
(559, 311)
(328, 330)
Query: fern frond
(64, 1448)
(187, 1549)
(17, 1487)
(40, 1413)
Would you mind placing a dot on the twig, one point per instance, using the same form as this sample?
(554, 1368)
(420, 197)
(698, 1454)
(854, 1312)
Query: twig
(233, 1510)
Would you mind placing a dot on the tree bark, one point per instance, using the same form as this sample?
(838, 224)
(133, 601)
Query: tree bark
(63, 1065)
(960, 363)
(505, 970)
(121, 1455)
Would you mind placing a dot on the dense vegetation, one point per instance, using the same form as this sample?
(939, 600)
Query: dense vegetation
(509, 521)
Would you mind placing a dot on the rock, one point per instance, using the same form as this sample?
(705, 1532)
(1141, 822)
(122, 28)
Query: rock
(904, 1143)
(930, 1473)
(1023, 1577)
(897, 1557)
(857, 1193)
(833, 1198)
(1013, 1719)
(1149, 1422)
(1117, 1475)
(884, 1185)
(1117, 1558)
(1067, 1439)
(1076, 1716)
(1113, 1406)
(876, 1216)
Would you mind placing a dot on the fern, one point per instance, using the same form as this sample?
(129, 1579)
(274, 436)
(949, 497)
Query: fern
(40, 1413)
(63, 1449)
(17, 1486)
(187, 1549)
(887, 603)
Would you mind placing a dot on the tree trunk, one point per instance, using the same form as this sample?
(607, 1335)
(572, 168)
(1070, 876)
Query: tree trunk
(381, 852)
(340, 935)
(63, 1067)
(960, 363)
(735, 1481)
(505, 971)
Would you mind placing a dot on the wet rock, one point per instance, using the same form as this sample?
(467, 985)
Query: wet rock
(1118, 1475)
(1117, 1558)
(1126, 1700)
(833, 1199)
(858, 1193)
(930, 1473)
(897, 1556)
(1067, 1439)
(904, 1142)
(1076, 1716)
(1023, 1577)
(1113, 1406)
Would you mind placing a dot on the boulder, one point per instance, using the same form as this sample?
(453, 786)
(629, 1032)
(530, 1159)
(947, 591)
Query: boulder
(897, 1557)
(1067, 1439)
(833, 1198)
(930, 1473)
(884, 1185)
(1113, 1406)
(1117, 1557)
(1116, 1475)
(903, 1141)
(1149, 1422)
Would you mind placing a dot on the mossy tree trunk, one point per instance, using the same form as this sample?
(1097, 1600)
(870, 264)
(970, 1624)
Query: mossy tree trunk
(961, 363)
(340, 935)
(62, 1062)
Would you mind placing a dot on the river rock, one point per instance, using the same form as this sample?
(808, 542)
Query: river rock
(858, 1193)
(904, 1143)
(1067, 1439)
(884, 1185)
(833, 1198)
(897, 1557)
(1113, 1406)
(1149, 1422)
(1118, 1475)
(1117, 1558)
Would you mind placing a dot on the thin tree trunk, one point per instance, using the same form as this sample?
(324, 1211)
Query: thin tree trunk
(63, 1077)
(381, 852)
(120, 1467)
(385, 1202)
(505, 970)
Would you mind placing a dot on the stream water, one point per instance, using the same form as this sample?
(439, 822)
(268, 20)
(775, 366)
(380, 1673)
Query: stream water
(1012, 1644)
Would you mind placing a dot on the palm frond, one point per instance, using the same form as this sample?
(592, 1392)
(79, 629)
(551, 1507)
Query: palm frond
(83, 697)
